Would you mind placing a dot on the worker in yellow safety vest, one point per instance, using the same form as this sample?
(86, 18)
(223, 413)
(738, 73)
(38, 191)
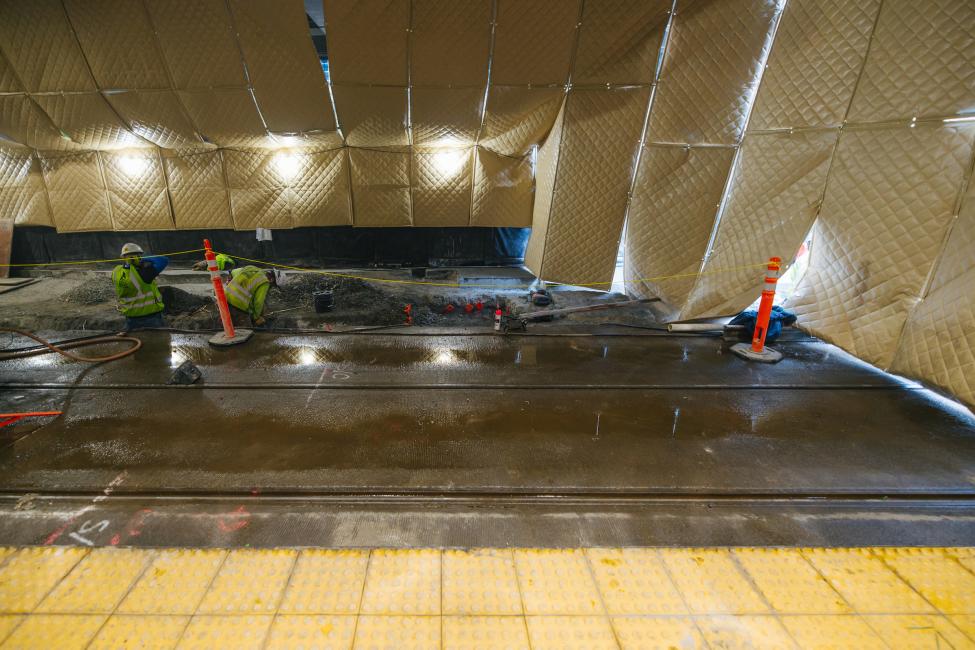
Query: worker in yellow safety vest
(247, 290)
(224, 263)
(138, 295)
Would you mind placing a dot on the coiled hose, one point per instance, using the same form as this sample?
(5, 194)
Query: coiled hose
(62, 348)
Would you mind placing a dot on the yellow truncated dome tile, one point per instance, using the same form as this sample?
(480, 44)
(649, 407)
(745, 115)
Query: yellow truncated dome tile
(711, 583)
(480, 582)
(556, 582)
(936, 576)
(174, 583)
(657, 632)
(237, 632)
(571, 633)
(832, 632)
(249, 582)
(29, 575)
(326, 582)
(866, 582)
(7, 624)
(97, 583)
(402, 582)
(50, 631)
(904, 632)
(320, 632)
(142, 632)
(745, 632)
(485, 633)
(398, 633)
(789, 582)
(634, 581)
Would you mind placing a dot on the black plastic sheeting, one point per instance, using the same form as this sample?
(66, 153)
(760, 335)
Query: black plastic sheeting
(336, 246)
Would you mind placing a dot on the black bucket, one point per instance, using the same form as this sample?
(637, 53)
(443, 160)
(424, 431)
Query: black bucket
(324, 301)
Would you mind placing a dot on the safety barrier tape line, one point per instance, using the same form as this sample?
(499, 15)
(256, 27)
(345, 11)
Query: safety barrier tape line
(658, 278)
(116, 259)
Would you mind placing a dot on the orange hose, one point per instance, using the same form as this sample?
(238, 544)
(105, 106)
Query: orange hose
(113, 338)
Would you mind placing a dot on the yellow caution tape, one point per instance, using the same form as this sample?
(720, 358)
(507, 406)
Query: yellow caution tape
(364, 278)
(116, 259)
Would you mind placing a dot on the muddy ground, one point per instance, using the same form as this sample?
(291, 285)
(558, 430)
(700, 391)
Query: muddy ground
(86, 300)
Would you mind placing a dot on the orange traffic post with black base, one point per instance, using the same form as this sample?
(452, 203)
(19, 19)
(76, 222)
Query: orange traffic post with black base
(756, 350)
(229, 336)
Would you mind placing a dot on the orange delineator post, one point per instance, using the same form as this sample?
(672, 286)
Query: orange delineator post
(765, 306)
(228, 323)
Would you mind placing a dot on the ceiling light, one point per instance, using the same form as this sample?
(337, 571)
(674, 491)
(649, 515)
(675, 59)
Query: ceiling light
(287, 165)
(306, 357)
(133, 165)
(449, 163)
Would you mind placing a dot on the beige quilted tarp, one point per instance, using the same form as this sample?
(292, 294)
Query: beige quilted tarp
(77, 193)
(373, 117)
(921, 61)
(381, 187)
(772, 202)
(137, 190)
(319, 192)
(889, 201)
(198, 190)
(22, 194)
(503, 190)
(446, 117)
(669, 223)
(819, 49)
(710, 72)
(258, 193)
(532, 43)
(546, 171)
(598, 145)
(518, 118)
(450, 42)
(613, 50)
(442, 187)
(938, 343)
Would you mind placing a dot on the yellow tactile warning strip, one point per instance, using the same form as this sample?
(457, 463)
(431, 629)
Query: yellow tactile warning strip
(59, 597)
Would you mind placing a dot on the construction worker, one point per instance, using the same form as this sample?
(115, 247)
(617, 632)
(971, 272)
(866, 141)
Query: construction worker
(247, 290)
(224, 263)
(139, 299)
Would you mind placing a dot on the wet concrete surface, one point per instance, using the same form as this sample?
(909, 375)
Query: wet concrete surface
(664, 440)
(405, 359)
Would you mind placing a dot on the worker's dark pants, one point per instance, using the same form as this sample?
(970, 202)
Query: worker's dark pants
(144, 322)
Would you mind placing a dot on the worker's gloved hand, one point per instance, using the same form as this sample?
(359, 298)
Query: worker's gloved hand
(260, 320)
(200, 266)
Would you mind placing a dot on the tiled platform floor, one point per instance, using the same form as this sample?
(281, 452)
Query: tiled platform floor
(487, 598)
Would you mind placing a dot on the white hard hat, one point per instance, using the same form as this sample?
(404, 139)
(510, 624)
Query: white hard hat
(131, 249)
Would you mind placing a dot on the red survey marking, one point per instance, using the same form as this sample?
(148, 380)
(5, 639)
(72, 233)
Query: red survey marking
(238, 519)
(10, 418)
(107, 492)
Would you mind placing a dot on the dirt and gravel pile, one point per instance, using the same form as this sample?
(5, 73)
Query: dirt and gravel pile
(98, 291)
(91, 292)
(368, 303)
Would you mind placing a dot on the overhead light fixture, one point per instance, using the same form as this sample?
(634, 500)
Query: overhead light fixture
(306, 357)
(449, 163)
(287, 165)
(133, 165)
(967, 118)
